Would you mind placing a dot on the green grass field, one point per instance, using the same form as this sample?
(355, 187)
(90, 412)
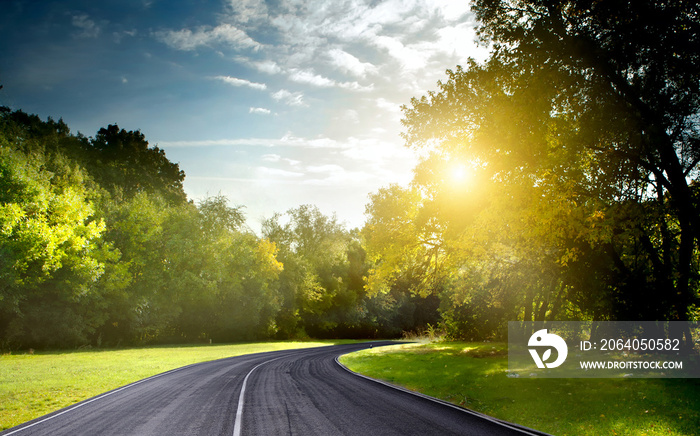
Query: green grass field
(32, 385)
(473, 375)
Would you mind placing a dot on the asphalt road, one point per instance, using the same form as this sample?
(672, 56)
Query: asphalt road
(296, 392)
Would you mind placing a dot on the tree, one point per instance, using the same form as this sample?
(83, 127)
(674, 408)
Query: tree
(312, 248)
(241, 299)
(400, 244)
(640, 61)
(124, 160)
(51, 253)
(585, 118)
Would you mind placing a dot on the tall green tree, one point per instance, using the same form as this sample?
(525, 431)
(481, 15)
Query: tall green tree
(124, 161)
(241, 298)
(313, 250)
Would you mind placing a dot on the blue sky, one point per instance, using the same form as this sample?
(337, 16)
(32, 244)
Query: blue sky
(271, 103)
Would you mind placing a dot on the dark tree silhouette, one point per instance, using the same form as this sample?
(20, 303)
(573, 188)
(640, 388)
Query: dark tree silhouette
(128, 163)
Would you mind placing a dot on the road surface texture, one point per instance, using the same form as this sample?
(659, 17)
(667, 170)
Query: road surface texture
(295, 392)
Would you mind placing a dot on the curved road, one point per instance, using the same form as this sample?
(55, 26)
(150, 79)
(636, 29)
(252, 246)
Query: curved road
(295, 392)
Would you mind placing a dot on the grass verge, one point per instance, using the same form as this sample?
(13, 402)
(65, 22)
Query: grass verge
(473, 375)
(32, 385)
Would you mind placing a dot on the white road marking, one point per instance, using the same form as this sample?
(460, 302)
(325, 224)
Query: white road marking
(95, 399)
(239, 411)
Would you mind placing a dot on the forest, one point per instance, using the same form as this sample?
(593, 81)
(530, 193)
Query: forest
(100, 246)
(558, 181)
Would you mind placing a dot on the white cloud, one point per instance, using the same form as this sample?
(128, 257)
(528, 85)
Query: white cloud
(226, 34)
(409, 56)
(269, 67)
(386, 158)
(350, 64)
(288, 140)
(392, 109)
(350, 116)
(89, 29)
(259, 110)
(452, 10)
(237, 142)
(322, 142)
(378, 151)
(247, 11)
(387, 105)
(118, 36)
(308, 77)
(403, 46)
(234, 81)
(271, 157)
(289, 98)
(274, 157)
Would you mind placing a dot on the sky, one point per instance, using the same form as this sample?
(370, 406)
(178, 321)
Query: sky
(273, 104)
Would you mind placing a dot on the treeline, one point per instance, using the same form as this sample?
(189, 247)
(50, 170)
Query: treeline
(99, 245)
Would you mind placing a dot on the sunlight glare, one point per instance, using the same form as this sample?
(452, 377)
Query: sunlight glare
(458, 173)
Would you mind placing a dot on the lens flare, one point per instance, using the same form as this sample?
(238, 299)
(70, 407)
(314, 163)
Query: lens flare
(458, 173)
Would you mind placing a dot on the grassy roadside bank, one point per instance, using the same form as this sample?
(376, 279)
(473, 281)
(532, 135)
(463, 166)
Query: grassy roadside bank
(32, 385)
(473, 375)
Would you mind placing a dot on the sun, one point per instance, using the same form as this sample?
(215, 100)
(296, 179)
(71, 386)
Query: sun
(458, 173)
